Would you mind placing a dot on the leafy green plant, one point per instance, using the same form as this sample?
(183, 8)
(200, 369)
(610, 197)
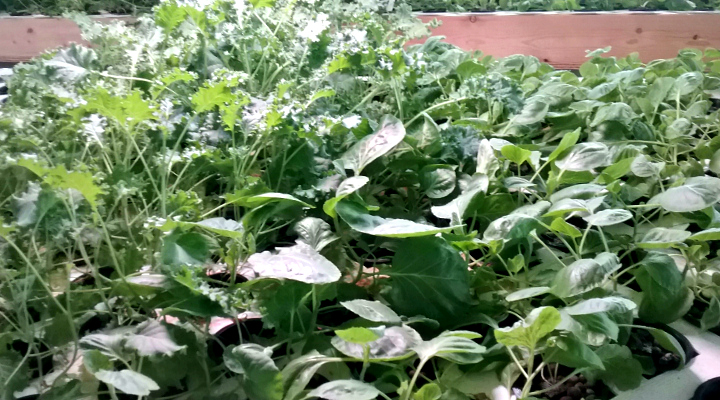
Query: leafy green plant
(227, 201)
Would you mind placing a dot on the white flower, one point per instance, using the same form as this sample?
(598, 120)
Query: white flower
(313, 30)
(352, 121)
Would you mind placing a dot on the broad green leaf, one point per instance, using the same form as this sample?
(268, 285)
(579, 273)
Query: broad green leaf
(345, 389)
(394, 344)
(299, 263)
(359, 335)
(437, 181)
(527, 293)
(534, 111)
(559, 225)
(262, 380)
(128, 381)
(711, 317)
(608, 217)
(60, 178)
(509, 227)
(429, 278)
(487, 162)
(456, 349)
(429, 391)
(687, 83)
(644, 168)
(603, 304)
(515, 154)
(538, 324)
(222, 226)
(95, 360)
(315, 232)
(667, 341)
(568, 140)
(665, 297)
(615, 171)
(455, 209)
(360, 220)
(188, 248)
(621, 368)
(262, 3)
(657, 238)
(705, 235)
(346, 188)
(372, 311)
(372, 147)
(583, 275)
(618, 112)
(152, 338)
(696, 194)
(715, 162)
(570, 352)
(582, 191)
(584, 157)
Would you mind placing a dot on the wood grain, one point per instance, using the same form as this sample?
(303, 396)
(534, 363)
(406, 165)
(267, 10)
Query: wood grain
(22, 38)
(561, 39)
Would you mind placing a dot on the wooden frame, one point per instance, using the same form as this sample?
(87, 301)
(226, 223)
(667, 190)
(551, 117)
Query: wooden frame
(558, 38)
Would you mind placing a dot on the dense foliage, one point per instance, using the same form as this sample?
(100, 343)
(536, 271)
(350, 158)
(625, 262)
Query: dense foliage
(55, 7)
(272, 200)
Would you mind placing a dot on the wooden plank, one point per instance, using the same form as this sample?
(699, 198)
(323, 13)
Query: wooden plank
(22, 38)
(557, 38)
(561, 39)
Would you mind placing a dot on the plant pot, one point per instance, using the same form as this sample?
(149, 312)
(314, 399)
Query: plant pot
(709, 390)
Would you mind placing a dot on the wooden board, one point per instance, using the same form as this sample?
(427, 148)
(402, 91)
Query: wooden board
(22, 38)
(561, 39)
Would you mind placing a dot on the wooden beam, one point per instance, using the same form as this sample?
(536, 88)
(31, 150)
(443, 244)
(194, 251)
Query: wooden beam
(22, 38)
(562, 38)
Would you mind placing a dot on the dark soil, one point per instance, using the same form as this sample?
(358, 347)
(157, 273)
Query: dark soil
(695, 314)
(576, 388)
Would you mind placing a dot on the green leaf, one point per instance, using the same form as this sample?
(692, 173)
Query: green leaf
(372, 147)
(510, 227)
(570, 352)
(127, 381)
(357, 217)
(715, 162)
(559, 225)
(539, 323)
(451, 347)
(152, 338)
(608, 217)
(299, 263)
(455, 209)
(298, 373)
(315, 232)
(429, 391)
(429, 278)
(705, 235)
(437, 181)
(568, 140)
(644, 168)
(187, 248)
(667, 341)
(394, 344)
(515, 154)
(610, 304)
(621, 368)
(265, 198)
(95, 361)
(584, 275)
(527, 293)
(618, 112)
(657, 238)
(687, 83)
(534, 111)
(372, 311)
(584, 157)
(358, 335)
(262, 379)
(221, 226)
(262, 3)
(665, 298)
(711, 317)
(345, 389)
(696, 194)
(346, 188)
(60, 178)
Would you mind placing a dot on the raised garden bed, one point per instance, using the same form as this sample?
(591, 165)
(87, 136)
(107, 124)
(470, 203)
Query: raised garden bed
(558, 38)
